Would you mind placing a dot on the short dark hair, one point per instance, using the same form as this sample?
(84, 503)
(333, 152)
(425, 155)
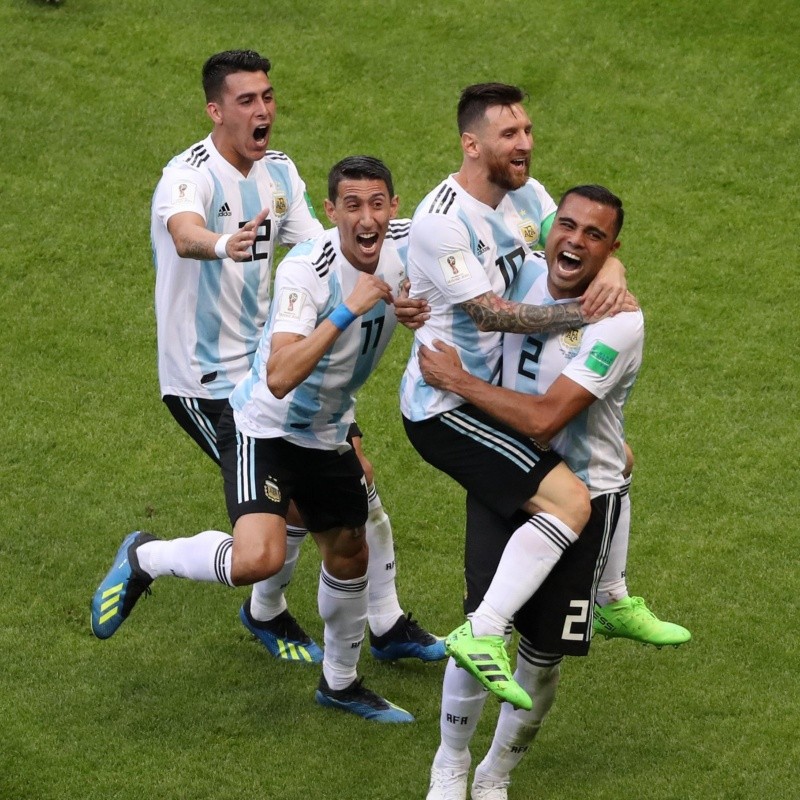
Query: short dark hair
(220, 65)
(477, 98)
(358, 168)
(598, 194)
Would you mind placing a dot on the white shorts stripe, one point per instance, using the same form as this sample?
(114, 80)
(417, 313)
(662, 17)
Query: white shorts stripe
(245, 468)
(502, 443)
(201, 422)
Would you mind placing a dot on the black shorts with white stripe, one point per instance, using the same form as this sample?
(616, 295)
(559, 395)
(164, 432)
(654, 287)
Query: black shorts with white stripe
(558, 618)
(199, 417)
(263, 475)
(500, 467)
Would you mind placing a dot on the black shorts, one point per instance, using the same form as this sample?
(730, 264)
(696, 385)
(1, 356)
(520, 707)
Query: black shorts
(199, 417)
(500, 467)
(263, 475)
(558, 618)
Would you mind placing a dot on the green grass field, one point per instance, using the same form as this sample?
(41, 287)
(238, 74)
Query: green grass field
(689, 110)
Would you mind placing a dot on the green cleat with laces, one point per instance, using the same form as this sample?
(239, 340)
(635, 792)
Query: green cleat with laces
(630, 618)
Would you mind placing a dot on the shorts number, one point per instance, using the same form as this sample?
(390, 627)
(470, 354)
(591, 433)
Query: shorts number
(581, 618)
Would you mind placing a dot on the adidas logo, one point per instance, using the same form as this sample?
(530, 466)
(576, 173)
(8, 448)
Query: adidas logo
(224, 210)
(482, 248)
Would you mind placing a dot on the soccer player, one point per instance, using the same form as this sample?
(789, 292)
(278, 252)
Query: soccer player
(218, 212)
(567, 391)
(283, 436)
(469, 238)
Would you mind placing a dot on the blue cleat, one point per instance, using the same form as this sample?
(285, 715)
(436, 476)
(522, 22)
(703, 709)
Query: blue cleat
(122, 586)
(282, 636)
(406, 639)
(357, 699)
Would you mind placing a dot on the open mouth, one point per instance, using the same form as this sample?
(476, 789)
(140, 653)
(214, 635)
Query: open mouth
(261, 134)
(568, 261)
(367, 240)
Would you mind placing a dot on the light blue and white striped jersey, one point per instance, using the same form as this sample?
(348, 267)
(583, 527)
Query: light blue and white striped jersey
(311, 281)
(460, 248)
(209, 314)
(604, 358)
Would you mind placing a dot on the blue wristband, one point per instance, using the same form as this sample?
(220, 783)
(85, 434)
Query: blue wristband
(341, 316)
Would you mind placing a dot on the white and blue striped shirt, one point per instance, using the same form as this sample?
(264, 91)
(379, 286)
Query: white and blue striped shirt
(604, 358)
(460, 248)
(311, 281)
(210, 314)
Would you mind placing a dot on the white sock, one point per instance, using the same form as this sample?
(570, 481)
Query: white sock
(516, 729)
(532, 551)
(204, 557)
(384, 607)
(267, 599)
(343, 608)
(463, 699)
(612, 585)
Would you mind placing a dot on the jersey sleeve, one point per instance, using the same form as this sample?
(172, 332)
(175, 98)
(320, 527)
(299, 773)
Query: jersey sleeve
(297, 297)
(610, 350)
(182, 188)
(440, 253)
(301, 222)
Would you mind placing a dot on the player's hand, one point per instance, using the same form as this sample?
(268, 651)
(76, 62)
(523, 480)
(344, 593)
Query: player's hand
(368, 291)
(607, 293)
(240, 245)
(439, 365)
(411, 313)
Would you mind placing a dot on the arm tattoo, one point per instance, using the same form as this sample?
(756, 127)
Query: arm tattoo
(491, 313)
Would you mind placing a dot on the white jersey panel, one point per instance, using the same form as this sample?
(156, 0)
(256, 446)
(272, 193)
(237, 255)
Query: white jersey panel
(311, 281)
(460, 248)
(604, 358)
(209, 314)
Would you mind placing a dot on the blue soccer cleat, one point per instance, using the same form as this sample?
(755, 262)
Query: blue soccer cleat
(282, 636)
(407, 639)
(122, 586)
(357, 699)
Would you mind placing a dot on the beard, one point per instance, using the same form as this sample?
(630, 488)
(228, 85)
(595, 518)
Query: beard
(500, 174)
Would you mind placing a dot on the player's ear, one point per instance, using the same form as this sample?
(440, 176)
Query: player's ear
(469, 144)
(330, 210)
(212, 109)
(394, 204)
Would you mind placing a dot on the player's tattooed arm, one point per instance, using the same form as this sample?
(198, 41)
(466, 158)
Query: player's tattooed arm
(492, 313)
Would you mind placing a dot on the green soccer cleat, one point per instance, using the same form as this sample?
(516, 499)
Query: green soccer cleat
(486, 659)
(630, 618)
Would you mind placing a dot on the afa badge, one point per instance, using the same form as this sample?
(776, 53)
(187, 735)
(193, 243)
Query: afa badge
(280, 205)
(570, 342)
(272, 490)
(530, 233)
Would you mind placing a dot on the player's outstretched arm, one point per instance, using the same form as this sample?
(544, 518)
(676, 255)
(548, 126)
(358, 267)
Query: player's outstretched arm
(538, 416)
(193, 240)
(490, 312)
